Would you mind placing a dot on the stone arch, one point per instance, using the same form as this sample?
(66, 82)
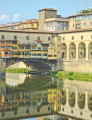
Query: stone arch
(72, 50)
(63, 97)
(90, 50)
(63, 50)
(90, 102)
(81, 50)
(81, 100)
(71, 98)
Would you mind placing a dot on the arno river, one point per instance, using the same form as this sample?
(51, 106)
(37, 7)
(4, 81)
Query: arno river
(27, 96)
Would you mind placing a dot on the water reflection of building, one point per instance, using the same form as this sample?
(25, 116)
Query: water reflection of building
(20, 103)
(54, 98)
(76, 99)
(53, 117)
(14, 79)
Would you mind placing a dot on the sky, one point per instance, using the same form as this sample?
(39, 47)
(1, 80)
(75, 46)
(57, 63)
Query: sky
(19, 10)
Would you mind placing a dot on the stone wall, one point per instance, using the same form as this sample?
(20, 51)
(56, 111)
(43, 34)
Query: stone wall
(75, 66)
(2, 65)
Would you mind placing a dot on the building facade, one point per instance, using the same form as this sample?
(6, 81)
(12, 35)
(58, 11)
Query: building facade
(56, 24)
(80, 21)
(32, 24)
(45, 14)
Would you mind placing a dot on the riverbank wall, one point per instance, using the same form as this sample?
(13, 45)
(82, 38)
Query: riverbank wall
(74, 66)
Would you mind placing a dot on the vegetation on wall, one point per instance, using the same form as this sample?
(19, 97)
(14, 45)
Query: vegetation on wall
(74, 76)
(17, 70)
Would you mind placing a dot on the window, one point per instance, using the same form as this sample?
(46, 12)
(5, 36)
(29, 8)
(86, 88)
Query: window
(38, 38)
(84, 23)
(3, 114)
(13, 42)
(27, 110)
(72, 37)
(48, 108)
(78, 18)
(49, 55)
(73, 18)
(44, 54)
(27, 37)
(48, 38)
(15, 37)
(6, 53)
(13, 48)
(62, 24)
(90, 17)
(8, 42)
(59, 28)
(71, 111)
(67, 24)
(39, 48)
(81, 113)
(63, 38)
(27, 47)
(44, 48)
(59, 22)
(34, 48)
(2, 42)
(15, 112)
(90, 23)
(62, 109)
(38, 109)
(85, 17)
(2, 36)
(21, 47)
(82, 37)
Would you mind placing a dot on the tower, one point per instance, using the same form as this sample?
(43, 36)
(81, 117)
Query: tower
(45, 14)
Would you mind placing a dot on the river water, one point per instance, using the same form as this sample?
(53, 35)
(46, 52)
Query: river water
(32, 96)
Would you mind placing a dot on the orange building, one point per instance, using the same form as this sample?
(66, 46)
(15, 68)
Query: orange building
(29, 25)
(7, 47)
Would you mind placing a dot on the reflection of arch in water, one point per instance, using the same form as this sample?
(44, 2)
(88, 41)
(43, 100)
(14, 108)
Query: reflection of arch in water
(63, 97)
(90, 50)
(90, 102)
(63, 50)
(81, 100)
(72, 50)
(71, 98)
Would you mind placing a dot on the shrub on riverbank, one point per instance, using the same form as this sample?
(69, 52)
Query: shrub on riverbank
(17, 70)
(74, 76)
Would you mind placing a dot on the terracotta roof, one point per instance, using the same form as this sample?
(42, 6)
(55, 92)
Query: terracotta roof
(81, 14)
(30, 21)
(72, 31)
(56, 21)
(45, 32)
(48, 9)
(8, 40)
(8, 25)
(26, 31)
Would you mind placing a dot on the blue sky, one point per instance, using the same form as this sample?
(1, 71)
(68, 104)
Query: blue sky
(19, 10)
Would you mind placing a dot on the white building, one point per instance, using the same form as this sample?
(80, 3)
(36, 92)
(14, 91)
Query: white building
(56, 24)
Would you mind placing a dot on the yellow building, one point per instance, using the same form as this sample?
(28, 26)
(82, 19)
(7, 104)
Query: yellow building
(54, 51)
(54, 98)
(32, 24)
(80, 21)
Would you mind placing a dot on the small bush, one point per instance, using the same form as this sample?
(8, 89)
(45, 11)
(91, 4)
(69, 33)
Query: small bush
(71, 73)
